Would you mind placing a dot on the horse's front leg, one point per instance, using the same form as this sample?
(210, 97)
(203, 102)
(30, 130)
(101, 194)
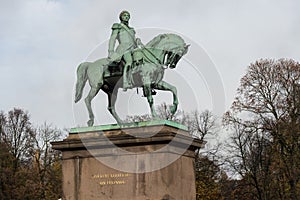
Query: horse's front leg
(148, 94)
(162, 85)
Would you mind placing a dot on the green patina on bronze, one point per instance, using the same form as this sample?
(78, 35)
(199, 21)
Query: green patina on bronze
(130, 65)
(128, 125)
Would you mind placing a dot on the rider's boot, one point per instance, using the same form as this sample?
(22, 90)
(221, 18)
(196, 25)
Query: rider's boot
(125, 79)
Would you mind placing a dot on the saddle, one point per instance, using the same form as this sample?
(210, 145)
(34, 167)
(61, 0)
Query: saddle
(116, 68)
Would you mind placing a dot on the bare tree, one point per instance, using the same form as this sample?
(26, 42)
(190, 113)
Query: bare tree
(249, 155)
(202, 124)
(17, 134)
(16, 140)
(163, 112)
(47, 162)
(29, 168)
(266, 120)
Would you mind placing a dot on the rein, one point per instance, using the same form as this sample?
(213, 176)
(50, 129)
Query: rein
(159, 62)
(143, 46)
(162, 64)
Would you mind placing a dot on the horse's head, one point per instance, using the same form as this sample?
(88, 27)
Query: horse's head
(173, 56)
(172, 46)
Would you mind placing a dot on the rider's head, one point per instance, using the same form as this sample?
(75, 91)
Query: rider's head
(124, 15)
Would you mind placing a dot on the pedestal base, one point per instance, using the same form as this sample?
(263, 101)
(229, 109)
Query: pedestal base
(140, 161)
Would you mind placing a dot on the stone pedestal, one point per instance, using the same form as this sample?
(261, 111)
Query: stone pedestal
(139, 161)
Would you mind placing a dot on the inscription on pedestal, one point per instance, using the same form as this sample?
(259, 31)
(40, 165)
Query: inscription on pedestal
(111, 179)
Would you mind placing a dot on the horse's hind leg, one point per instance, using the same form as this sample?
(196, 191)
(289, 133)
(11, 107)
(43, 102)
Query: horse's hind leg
(162, 85)
(93, 92)
(112, 98)
(95, 74)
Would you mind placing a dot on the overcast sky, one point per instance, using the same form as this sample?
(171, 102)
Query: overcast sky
(42, 42)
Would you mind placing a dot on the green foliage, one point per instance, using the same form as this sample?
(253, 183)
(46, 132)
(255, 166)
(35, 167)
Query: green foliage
(207, 179)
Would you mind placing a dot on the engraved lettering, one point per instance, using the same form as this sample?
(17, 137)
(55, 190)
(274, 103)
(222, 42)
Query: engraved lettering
(102, 183)
(111, 179)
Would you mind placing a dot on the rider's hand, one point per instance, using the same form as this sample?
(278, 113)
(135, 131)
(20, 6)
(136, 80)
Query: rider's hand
(139, 42)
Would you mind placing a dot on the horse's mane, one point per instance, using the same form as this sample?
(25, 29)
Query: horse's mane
(163, 38)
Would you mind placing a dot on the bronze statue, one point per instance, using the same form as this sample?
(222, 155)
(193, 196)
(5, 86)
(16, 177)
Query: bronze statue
(147, 68)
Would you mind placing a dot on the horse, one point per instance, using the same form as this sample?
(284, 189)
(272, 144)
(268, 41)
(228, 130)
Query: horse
(147, 71)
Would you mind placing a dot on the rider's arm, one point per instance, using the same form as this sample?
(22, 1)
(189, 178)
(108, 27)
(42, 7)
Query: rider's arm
(113, 37)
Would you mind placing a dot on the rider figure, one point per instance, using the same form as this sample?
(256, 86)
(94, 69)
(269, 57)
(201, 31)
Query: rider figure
(127, 42)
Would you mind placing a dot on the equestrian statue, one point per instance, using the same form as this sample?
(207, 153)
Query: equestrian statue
(131, 65)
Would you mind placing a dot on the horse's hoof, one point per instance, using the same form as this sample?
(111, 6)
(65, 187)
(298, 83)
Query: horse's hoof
(90, 122)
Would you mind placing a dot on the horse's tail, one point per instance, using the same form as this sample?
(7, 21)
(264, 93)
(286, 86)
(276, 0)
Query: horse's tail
(81, 80)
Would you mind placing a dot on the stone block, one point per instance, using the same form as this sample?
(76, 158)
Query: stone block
(138, 161)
